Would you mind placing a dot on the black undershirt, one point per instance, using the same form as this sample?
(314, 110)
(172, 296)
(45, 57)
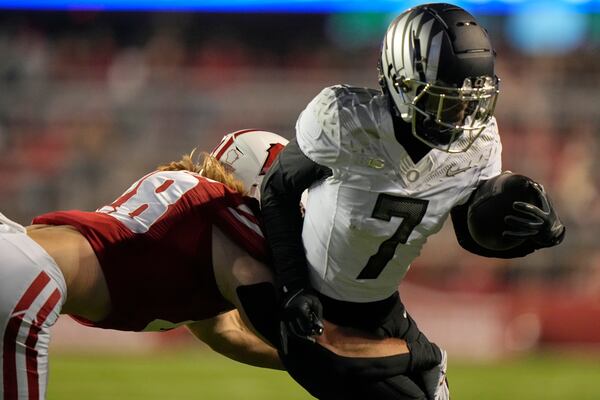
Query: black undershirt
(413, 146)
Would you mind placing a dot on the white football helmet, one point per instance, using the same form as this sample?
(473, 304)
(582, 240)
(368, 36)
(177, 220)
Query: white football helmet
(437, 66)
(249, 154)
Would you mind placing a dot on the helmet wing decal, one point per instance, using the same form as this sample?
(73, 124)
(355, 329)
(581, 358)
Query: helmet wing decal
(433, 57)
(272, 153)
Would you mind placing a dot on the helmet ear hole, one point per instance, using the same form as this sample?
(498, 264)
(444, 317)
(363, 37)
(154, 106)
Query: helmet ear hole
(249, 154)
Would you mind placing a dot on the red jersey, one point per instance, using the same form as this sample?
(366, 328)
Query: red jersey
(154, 244)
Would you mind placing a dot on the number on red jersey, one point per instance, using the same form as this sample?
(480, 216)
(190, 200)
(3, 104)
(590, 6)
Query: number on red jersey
(149, 198)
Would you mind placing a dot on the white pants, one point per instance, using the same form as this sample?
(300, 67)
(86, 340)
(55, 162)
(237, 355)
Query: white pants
(32, 292)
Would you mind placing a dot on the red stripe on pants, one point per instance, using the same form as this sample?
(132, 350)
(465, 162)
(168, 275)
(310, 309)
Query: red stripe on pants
(30, 351)
(9, 359)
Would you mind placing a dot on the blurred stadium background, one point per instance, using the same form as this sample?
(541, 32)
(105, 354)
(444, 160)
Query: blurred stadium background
(94, 93)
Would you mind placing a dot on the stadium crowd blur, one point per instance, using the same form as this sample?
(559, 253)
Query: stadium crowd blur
(91, 100)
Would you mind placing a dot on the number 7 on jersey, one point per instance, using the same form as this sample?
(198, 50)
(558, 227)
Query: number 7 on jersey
(386, 207)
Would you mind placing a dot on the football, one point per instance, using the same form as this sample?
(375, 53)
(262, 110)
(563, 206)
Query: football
(491, 202)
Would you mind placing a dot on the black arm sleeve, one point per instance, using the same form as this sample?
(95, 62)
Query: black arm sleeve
(281, 190)
(466, 241)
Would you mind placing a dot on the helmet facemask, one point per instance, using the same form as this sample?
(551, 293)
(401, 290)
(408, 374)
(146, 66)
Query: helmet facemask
(449, 118)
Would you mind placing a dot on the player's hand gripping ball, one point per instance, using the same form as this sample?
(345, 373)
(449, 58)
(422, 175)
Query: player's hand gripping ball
(493, 201)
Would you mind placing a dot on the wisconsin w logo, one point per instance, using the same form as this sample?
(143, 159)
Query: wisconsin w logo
(272, 153)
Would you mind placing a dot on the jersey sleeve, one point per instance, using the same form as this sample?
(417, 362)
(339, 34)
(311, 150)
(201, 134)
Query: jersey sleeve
(237, 219)
(490, 164)
(318, 128)
(493, 166)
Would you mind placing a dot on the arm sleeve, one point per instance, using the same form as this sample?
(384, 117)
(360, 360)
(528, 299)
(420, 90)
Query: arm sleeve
(466, 241)
(281, 190)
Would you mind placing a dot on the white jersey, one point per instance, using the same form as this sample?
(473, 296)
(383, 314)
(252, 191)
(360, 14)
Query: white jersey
(366, 223)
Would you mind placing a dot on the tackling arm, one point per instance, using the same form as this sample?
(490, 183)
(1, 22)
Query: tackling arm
(228, 335)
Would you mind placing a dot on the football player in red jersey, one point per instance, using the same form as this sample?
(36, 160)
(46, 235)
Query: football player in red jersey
(172, 250)
(181, 246)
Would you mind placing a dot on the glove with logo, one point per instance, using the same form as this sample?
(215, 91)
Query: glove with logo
(540, 224)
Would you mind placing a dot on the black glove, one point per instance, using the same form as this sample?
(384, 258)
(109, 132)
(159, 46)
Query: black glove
(302, 315)
(538, 224)
(428, 365)
(434, 381)
(424, 354)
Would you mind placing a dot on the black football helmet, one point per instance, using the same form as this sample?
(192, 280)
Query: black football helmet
(437, 65)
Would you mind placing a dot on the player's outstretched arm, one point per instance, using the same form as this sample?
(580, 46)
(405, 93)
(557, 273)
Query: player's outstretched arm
(228, 335)
(247, 284)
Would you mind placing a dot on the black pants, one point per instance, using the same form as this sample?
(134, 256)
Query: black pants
(384, 318)
(328, 376)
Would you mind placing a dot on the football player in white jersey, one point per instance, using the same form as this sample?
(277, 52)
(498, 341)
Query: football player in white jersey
(384, 169)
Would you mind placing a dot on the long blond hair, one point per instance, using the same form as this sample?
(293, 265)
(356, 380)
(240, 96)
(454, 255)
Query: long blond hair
(209, 167)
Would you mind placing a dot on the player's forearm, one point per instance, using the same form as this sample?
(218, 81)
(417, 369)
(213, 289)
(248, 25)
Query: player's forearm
(246, 348)
(283, 227)
(284, 233)
(228, 335)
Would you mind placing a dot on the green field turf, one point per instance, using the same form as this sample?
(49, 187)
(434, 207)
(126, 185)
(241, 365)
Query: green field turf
(196, 374)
